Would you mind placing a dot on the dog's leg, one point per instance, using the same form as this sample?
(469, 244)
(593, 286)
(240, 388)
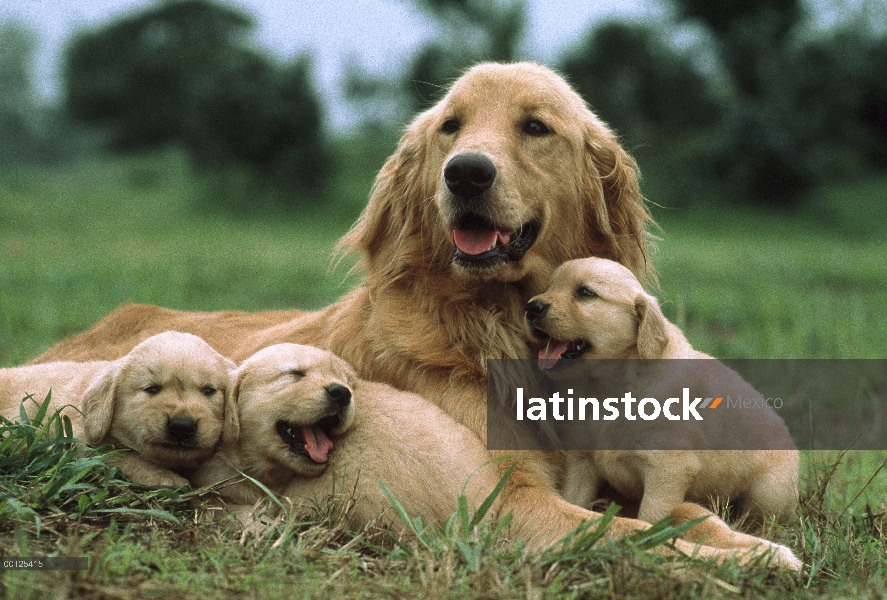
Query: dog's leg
(543, 518)
(775, 491)
(716, 533)
(581, 481)
(667, 478)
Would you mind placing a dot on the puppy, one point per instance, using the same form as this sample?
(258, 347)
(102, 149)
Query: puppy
(308, 427)
(596, 308)
(165, 401)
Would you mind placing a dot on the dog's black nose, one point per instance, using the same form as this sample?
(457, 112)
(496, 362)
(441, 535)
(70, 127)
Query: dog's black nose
(536, 309)
(468, 175)
(339, 394)
(181, 429)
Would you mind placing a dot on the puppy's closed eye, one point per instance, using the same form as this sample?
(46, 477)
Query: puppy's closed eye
(152, 389)
(584, 292)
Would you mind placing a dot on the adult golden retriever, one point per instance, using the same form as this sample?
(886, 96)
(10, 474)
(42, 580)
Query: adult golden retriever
(165, 401)
(309, 428)
(596, 308)
(507, 177)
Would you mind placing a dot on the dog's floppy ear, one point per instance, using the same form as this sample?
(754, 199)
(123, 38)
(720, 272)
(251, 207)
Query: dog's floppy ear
(617, 216)
(393, 217)
(652, 338)
(231, 429)
(97, 404)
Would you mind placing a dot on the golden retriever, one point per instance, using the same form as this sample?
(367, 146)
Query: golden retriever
(596, 308)
(504, 179)
(165, 401)
(308, 427)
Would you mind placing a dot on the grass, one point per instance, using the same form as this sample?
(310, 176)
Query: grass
(80, 241)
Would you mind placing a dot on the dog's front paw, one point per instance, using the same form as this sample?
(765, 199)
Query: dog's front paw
(785, 558)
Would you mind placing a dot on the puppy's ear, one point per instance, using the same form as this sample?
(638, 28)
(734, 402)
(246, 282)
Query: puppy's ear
(231, 429)
(97, 404)
(652, 338)
(617, 215)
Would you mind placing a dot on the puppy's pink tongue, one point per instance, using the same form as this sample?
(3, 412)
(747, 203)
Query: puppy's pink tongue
(317, 443)
(474, 242)
(549, 355)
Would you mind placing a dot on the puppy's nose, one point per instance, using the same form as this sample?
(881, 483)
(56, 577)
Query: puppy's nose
(181, 429)
(536, 309)
(468, 175)
(339, 394)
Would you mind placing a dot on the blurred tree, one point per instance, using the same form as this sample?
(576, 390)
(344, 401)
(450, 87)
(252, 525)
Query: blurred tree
(467, 32)
(18, 111)
(636, 80)
(761, 149)
(840, 88)
(184, 73)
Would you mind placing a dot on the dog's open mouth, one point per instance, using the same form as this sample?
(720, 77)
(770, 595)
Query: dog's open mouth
(311, 441)
(554, 350)
(480, 243)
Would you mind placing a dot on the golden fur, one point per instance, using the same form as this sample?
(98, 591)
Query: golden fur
(381, 434)
(600, 303)
(132, 401)
(426, 322)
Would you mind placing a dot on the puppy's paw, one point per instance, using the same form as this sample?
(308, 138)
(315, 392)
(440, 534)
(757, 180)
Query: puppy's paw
(160, 479)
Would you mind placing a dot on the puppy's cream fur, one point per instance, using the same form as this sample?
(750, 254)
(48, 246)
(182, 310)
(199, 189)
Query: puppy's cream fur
(598, 304)
(425, 458)
(130, 402)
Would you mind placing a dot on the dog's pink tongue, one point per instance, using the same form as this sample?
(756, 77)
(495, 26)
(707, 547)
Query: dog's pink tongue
(317, 443)
(474, 242)
(549, 355)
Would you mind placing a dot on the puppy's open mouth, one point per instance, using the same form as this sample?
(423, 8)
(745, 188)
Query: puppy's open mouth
(480, 243)
(554, 350)
(311, 441)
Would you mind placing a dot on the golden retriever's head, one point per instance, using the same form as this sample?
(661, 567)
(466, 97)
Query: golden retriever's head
(595, 308)
(293, 402)
(167, 400)
(509, 175)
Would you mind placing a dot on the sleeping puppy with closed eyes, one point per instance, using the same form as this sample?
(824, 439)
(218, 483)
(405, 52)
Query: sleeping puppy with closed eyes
(163, 405)
(308, 426)
(596, 308)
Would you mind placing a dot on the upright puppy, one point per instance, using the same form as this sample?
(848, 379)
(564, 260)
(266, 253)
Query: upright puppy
(165, 401)
(308, 426)
(596, 308)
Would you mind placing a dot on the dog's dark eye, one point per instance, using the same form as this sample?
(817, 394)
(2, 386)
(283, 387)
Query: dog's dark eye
(584, 292)
(208, 390)
(297, 373)
(152, 389)
(535, 127)
(450, 126)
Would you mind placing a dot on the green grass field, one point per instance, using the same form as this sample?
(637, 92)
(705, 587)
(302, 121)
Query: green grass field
(77, 242)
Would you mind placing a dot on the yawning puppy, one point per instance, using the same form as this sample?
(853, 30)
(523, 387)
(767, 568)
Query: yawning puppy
(165, 402)
(309, 426)
(596, 308)
(293, 403)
